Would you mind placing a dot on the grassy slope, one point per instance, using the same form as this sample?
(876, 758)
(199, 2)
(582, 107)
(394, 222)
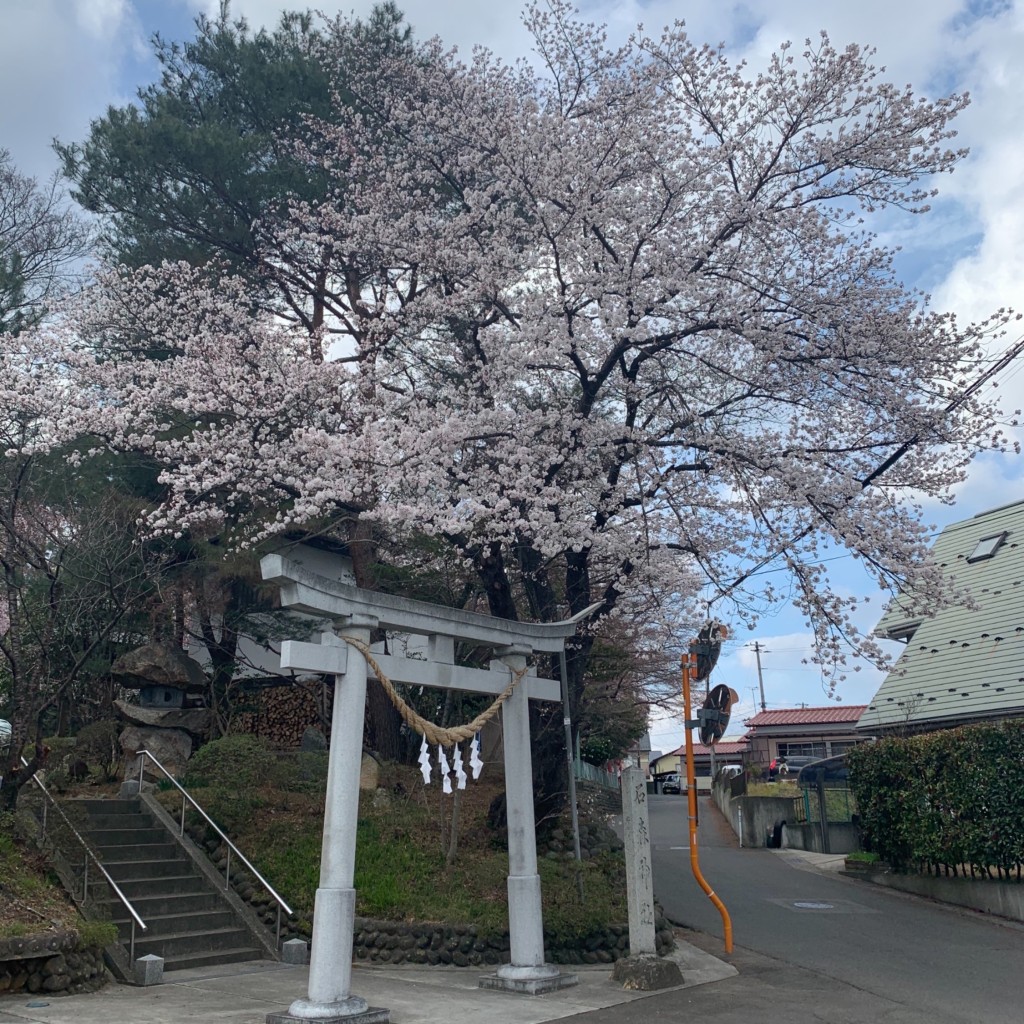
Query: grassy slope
(274, 812)
(401, 873)
(31, 899)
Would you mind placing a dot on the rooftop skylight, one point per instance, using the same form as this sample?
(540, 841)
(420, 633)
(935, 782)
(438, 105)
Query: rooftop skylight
(987, 547)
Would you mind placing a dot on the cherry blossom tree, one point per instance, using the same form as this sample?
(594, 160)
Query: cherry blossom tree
(613, 323)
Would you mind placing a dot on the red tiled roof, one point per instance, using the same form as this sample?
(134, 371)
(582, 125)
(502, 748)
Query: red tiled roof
(808, 716)
(725, 747)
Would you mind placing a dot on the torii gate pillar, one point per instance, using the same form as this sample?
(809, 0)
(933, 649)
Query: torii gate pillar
(527, 972)
(329, 998)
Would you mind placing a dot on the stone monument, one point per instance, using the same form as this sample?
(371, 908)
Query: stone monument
(643, 968)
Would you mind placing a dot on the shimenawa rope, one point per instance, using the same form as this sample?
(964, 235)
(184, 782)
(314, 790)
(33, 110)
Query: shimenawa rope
(433, 733)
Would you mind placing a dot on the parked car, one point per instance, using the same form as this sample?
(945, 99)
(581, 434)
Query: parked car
(789, 766)
(730, 771)
(672, 784)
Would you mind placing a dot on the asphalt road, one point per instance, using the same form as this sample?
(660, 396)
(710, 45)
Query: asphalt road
(854, 952)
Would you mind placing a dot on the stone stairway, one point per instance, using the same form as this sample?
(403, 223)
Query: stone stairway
(190, 921)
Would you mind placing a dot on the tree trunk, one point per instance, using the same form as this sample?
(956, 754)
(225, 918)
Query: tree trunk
(223, 650)
(382, 725)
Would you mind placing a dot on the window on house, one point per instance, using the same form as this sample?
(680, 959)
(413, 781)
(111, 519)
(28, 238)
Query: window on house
(801, 750)
(987, 547)
(841, 746)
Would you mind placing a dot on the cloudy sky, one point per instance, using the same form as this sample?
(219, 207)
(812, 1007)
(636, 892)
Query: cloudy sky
(62, 62)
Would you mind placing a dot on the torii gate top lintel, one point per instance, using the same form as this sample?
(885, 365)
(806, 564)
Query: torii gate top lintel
(306, 591)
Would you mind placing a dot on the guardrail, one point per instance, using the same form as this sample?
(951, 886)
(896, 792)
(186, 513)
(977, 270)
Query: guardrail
(89, 856)
(187, 798)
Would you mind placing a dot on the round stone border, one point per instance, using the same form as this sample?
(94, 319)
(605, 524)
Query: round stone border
(397, 942)
(50, 962)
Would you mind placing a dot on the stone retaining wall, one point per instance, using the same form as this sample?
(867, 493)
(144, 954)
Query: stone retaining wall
(50, 962)
(462, 946)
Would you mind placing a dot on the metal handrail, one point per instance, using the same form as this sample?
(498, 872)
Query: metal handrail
(135, 919)
(143, 754)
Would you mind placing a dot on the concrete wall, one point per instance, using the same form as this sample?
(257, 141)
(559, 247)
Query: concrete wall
(761, 814)
(1005, 899)
(753, 817)
(721, 794)
(842, 837)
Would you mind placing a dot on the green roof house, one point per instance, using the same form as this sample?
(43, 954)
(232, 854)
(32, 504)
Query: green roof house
(964, 664)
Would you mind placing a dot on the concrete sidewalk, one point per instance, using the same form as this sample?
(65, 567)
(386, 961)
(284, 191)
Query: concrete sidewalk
(824, 863)
(246, 993)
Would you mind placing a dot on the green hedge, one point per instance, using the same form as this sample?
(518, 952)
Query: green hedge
(946, 800)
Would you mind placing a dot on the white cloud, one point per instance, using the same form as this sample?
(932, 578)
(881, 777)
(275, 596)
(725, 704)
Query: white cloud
(102, 19)
(58, 70)
(990, 184)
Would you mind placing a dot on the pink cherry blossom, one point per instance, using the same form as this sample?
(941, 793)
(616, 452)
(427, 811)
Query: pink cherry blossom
(616, 327)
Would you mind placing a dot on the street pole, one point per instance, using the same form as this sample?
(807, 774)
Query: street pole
(760, 678)
(688, 665)
(571, 764)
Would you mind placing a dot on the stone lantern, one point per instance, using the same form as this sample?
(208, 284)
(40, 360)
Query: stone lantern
(165, 721)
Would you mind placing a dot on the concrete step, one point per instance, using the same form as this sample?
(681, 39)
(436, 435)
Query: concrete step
(181, 884)
(184, 961)
(138, 820)
(207, 940)
(188, 922)
(127, 836)
(162, 903)
(119, 807)
(127, 870)
(118, 853)
(191, 923)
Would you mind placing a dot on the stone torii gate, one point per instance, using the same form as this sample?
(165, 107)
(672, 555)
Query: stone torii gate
(354, 613)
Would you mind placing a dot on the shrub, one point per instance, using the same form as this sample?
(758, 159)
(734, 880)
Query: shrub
(63, 763)
(303, 772)
(96, 744)
(232, 762)
(944, 799)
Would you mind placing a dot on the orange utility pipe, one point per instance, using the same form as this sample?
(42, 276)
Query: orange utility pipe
(688, 665)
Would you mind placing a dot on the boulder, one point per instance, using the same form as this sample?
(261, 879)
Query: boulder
(369, 773)
(171, 747)
(161, 663)
(647, 973)
(313, 740)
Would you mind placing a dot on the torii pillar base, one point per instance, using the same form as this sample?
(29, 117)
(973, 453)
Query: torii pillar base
(531, 981)
(369, 1015)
